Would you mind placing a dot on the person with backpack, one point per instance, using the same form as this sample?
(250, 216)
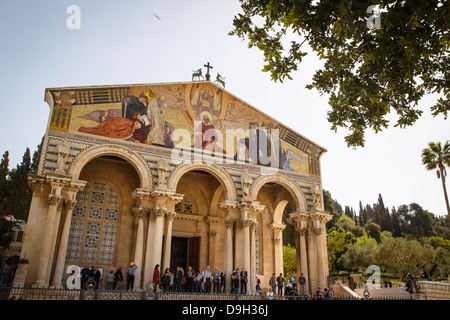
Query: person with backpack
(165, 281)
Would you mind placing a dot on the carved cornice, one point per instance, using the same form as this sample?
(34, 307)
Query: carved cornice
(278, 226)
(251, 205)
(213, 220)
(189, 217)
(227, 204)
(323, 216)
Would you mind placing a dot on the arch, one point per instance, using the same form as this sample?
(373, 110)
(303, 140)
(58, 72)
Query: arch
(215, 201)
(220, 174)
(278, 212)
(113, 150)
(293, 188)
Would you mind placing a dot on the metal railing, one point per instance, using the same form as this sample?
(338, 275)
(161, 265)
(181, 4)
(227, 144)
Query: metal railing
(20, 293)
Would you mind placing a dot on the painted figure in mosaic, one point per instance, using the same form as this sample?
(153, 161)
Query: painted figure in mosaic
(132, 104)
(113, 128)
(205, 135)
(157, 111)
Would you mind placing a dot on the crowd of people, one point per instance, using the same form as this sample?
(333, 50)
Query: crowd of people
(205, 281)
(196, 281)
(208, 281)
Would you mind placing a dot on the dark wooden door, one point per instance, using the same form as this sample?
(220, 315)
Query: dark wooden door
(194, 253)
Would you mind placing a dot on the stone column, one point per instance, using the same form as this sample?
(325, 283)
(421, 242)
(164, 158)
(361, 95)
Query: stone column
(278, 247)
(69, 203)
(142, 247)
(252, 279)
(319, 220)
(54, 200)
(139, 248)
(229, 223)
(312, 260)
(62, 250)
(303, 256)
(157, 242)
(168, 239)
(148, 270)
(319, 231)
(246, 223)
(299, 219)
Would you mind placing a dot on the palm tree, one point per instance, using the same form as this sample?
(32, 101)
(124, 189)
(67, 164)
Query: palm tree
(437, 157)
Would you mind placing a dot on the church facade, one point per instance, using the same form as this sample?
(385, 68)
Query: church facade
(174, 174)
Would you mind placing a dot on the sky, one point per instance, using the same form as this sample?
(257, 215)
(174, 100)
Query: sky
(146, 41)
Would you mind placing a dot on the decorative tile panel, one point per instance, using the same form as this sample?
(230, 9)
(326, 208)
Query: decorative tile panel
(75, 240)
(94, 224)
(95, 212)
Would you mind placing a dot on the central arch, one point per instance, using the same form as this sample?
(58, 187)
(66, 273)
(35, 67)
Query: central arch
(221, 175)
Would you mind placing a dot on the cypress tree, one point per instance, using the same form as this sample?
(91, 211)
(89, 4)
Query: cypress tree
(4, 183)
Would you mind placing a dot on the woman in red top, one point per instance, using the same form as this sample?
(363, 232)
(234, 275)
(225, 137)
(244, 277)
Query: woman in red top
(156, 279)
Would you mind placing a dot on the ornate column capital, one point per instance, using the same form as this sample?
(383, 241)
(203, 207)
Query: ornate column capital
(70, 204)
(54, 200)
(318, 230)
(246, 223)
(212, 234)
(159, 212)
(229, 223)
(302, 232)
(170, 215)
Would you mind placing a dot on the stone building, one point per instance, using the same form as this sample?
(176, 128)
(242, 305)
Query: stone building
(171, 174)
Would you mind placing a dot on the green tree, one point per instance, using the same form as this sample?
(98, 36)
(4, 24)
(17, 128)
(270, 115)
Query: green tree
(338, 241)
(289, 231)
(20, 193)
(437, 157)
(289, 259)
(330, 206)
(370, 70)
(6, 228)
(398, 255)
(373, 230)
(360, 254)
(36, 157)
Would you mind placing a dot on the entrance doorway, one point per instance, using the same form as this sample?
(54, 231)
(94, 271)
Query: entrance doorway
(185, 252)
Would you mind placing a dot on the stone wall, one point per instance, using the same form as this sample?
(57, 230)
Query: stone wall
(431, 290)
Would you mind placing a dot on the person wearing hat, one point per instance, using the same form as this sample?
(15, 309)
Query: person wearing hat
(130, 276)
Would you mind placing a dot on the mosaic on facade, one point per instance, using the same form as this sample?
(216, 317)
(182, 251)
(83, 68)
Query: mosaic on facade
(151, 114)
